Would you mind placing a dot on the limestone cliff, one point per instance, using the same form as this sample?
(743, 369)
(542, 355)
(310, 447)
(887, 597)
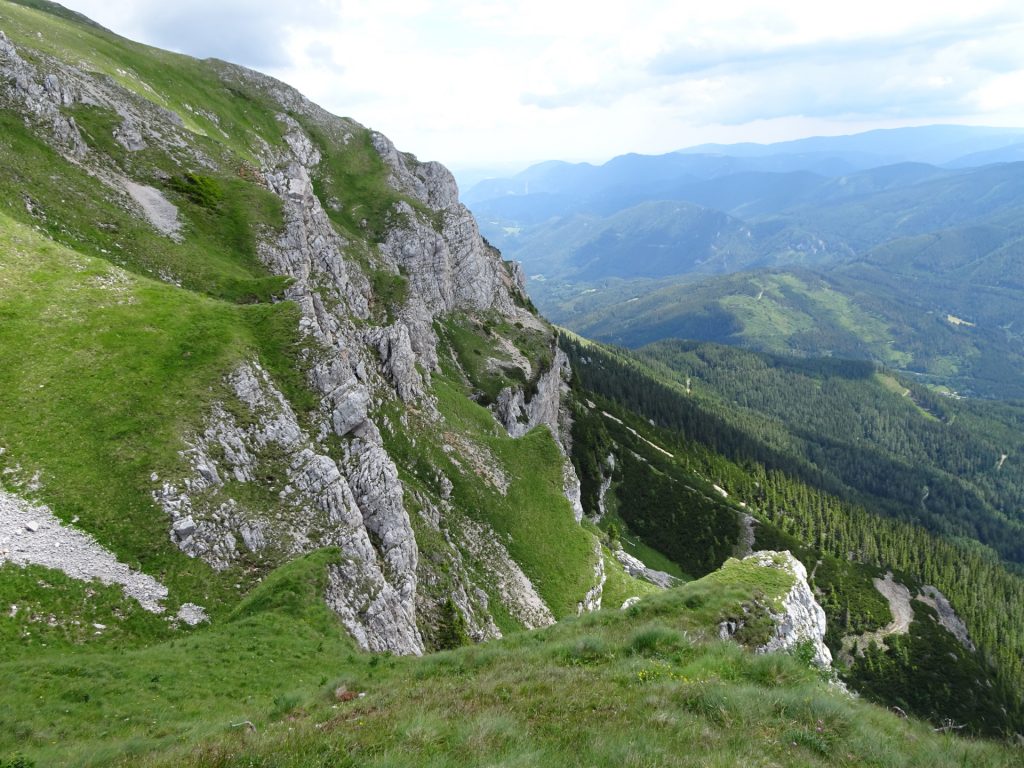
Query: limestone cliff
(796, 616)
(261, 481)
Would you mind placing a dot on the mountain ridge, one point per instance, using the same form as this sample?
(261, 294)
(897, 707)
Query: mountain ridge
(258, 355)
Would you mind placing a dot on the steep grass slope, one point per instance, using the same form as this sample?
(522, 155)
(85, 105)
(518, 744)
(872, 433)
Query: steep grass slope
(254, 355)
(278, 685)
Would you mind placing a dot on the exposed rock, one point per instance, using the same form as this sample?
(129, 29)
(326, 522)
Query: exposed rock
(310, 252)
(373, 589)
(902, 615)
(481, 460)
(629, 603)
(571, 489)
(745, 545)
(947, 616)
(514, 588)
(548, 407)
(592, 600)
(183, 527)
(129, 135)
(398, 360)
(40, 95)
(373, 478)
(607, 472)
(798, 617)
(158, 210)
(519, 416)
(638, 570)
(191, 614)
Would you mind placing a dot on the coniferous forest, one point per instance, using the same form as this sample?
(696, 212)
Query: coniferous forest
(840, 520)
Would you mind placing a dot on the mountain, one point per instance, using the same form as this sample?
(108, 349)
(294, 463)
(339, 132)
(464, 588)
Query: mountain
(941, 307)
(932, 144)
(557, 188)
(870, 264)
(810, 453)
(292, 472)
(237, 330)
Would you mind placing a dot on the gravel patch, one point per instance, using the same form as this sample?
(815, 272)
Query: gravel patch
(32, 535)
(160, 211)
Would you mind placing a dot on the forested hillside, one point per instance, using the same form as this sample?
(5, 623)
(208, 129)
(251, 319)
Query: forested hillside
(798, 504)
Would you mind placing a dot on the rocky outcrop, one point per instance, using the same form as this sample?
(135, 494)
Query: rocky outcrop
(514, 588)
(449, 264)
(519, 416)
(948, 617)
(899, 597)
(309, 250)
(40, 95)
(259, 484)
(592, 600)
(797, 616)
(43, 88)
(548, 407)
(607, 473)
(356, 506)
(638, 570)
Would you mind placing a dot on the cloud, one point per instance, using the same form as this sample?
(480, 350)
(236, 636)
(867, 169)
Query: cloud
(693, 58)
(495, 80)
(249, 32)
(934, 69)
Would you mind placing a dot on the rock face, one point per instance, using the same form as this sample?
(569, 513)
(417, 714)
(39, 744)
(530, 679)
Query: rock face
(798, 617)
(948, 617)
(318, 503)
(637, 569)
(259, 483)
(592, 600)
(547, 407)
(41, 95)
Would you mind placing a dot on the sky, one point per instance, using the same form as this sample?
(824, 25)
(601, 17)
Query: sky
(499, 84)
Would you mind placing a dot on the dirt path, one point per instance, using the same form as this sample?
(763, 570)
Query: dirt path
(902, 615)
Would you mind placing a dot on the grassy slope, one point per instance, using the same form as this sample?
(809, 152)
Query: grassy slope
(615, 688)
(533, 519)
(103, 369)
(102, 372)
(127, 355)
(83, 707)
(173, 81)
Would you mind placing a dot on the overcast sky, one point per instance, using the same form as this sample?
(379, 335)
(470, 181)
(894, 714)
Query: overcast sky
(494, 82)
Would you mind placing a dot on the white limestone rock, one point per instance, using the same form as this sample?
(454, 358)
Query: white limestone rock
(359, 510)
(592, 600)
(638, 570)
(514, 588)
(801, 619)
(948, 617)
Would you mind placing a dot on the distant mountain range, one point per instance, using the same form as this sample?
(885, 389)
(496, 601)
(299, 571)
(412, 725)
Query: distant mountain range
(933, 230)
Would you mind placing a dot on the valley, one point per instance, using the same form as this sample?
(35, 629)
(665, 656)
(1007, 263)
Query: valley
(294, 472)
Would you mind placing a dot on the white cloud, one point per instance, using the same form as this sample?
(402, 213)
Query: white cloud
(498, 80)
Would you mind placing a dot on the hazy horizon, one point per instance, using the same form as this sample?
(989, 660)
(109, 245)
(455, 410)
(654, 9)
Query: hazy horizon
(507, 84)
